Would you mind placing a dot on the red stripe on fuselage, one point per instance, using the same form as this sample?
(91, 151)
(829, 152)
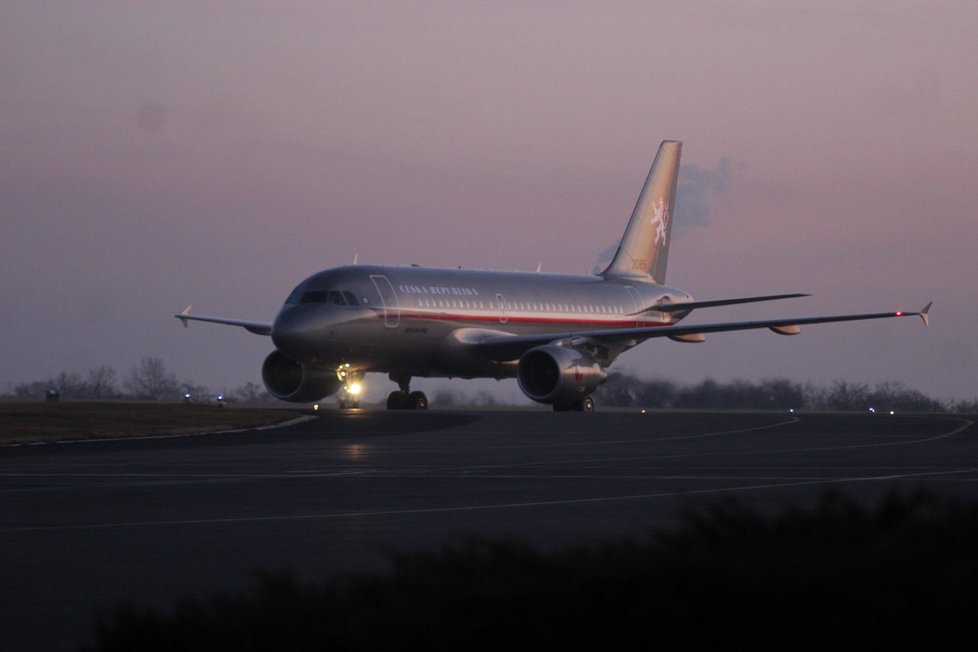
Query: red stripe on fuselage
(527, 319)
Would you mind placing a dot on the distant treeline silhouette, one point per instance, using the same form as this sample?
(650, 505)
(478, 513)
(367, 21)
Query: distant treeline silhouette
(627, 390)
(147, 380)
(150, 380)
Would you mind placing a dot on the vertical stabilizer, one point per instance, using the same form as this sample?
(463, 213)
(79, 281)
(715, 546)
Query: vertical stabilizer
(644, 249)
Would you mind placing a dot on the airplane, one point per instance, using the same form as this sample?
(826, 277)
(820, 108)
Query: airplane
(555, 333)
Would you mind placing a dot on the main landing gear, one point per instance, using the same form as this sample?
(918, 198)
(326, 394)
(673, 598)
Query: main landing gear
(405, 399)
(583, 405)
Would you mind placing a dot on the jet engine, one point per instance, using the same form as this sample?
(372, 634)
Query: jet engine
(288, 380)
(557, 374)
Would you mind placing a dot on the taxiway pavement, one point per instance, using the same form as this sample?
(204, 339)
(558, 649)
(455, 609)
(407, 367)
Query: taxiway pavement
(86, 527)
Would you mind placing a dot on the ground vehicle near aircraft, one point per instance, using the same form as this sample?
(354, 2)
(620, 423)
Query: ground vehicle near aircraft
(555, 333)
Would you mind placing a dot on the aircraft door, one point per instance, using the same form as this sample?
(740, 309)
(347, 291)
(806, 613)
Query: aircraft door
(501, 306)
(633, 295)
(392, 312)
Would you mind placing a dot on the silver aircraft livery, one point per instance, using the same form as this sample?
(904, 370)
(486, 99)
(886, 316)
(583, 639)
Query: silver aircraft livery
(555, 333)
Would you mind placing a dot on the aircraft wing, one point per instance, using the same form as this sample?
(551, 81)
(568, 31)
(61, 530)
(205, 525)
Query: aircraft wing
(257, 327)
(510, 347)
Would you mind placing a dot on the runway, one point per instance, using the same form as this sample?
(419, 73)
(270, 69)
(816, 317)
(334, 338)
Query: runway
(85, 527)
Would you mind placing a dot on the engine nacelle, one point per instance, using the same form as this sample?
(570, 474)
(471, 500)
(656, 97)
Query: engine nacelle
(556, 374)
(288, 380)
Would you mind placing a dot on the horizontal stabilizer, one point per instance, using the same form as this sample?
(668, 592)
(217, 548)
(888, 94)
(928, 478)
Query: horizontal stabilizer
(692, 305)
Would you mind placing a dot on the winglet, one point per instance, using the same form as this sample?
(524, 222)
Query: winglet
(183, 315)
(924, 313)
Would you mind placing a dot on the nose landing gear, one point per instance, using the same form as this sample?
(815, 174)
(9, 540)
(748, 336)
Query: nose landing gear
(348, 400)
(349, 394)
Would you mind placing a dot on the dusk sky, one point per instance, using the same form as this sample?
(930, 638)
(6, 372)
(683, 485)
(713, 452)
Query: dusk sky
(217, 153)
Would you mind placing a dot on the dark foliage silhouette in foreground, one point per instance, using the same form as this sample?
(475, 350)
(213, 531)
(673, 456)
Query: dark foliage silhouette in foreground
(904, 572)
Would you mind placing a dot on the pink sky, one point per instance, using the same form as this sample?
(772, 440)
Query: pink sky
(217, 153)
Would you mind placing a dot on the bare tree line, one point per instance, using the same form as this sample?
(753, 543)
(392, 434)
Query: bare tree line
(150, 380)
(147, 380)
(623, 389)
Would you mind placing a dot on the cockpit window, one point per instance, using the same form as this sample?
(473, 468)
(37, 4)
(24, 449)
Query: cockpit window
(335, 297)
(296, 294)
(315, 296)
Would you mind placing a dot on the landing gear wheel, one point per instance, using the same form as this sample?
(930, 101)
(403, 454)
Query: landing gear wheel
(349, 403)
(584, 405)
(397, 401)
(407, 401)
(417, 401)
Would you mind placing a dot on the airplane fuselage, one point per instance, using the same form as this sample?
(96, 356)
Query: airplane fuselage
(412, 320)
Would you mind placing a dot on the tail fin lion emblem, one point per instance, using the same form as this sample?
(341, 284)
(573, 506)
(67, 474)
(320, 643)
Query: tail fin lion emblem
(644, 248)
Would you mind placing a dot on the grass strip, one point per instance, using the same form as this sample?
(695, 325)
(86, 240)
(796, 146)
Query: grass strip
(30, 422)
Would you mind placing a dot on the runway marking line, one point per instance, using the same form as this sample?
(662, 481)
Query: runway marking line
(475, 508)
(182, 435)
(722, 433)
(966, 423)
(528, 504)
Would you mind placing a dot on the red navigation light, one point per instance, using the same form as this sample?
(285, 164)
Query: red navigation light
(899, 313)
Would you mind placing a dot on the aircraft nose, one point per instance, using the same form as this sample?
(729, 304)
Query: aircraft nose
(294, 334)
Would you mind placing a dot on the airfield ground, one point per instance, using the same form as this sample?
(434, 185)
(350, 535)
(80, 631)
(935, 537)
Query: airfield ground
(88, 527)
(35, 421)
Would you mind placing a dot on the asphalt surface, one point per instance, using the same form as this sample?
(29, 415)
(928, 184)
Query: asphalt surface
(87, 527)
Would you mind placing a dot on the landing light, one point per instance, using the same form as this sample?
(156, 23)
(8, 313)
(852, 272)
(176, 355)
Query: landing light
(354, 388)
(315, 407)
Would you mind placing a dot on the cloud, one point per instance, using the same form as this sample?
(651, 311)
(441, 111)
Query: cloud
(700, 191)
